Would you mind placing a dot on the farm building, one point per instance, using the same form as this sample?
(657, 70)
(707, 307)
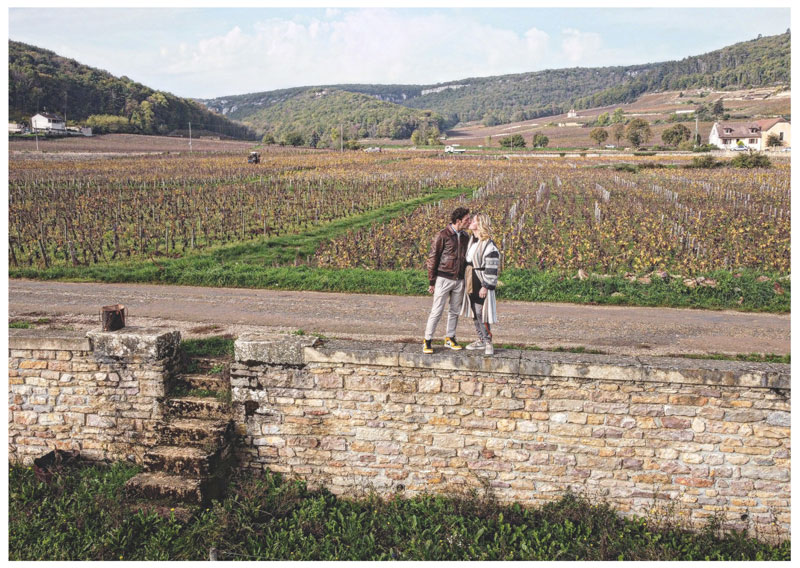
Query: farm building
(47, 121)
(15, 128)
(749, 135)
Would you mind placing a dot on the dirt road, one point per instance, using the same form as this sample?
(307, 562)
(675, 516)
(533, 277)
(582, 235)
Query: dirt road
(197, 310)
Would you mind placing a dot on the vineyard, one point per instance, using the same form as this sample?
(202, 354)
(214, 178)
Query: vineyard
(574, 216)
(571, 216)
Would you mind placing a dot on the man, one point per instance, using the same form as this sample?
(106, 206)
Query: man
(446, 264)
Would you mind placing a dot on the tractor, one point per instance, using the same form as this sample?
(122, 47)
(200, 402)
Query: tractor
(254, 158)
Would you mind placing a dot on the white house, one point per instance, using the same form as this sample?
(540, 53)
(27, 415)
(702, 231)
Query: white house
(47, 121)
(15, 128)
(748, 135)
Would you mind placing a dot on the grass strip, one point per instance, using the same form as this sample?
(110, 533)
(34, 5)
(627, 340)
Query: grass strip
(76, 514)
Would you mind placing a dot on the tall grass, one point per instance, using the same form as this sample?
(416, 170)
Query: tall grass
(77, 515)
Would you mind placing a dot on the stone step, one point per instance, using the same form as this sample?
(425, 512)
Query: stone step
(195, 432)
(159, 485)
(197, 407)
(205, 382)
(195, 462)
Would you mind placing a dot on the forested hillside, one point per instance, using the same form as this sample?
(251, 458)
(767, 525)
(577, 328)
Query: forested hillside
(321, 117)
(507, 98)
(39, 80)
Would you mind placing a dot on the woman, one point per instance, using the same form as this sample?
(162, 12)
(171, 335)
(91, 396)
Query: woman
(483, 267)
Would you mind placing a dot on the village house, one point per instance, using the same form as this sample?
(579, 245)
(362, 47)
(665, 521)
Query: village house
(15, 128)
(749, 135)
(47, 121)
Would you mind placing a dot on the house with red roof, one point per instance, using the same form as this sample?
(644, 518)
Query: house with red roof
(749, 135)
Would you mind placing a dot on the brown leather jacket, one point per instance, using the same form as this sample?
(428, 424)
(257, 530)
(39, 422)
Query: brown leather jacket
(447, 257)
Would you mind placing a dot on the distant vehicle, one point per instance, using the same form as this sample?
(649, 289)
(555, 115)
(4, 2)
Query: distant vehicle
(454, 149)
(254, 158)
(740, 149)
(610, 146)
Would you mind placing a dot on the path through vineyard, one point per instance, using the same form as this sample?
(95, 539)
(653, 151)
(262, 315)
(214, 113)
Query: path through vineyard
(196, 311)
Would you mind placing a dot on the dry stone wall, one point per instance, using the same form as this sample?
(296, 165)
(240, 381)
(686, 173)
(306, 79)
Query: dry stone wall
(99, 394)
(661, 436)
(688, 438)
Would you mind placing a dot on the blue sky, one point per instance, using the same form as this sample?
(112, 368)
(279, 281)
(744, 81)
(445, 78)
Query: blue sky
(209, 52)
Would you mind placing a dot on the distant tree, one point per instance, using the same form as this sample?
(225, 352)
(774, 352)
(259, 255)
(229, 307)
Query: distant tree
(540, 140)
(268, 138)
(293, 139)
(491, 119)
(773, 140)
(718, 108)
(638, 132)
(674, 135)
(603, 119)
(599, 135)
(618, 116)
(515, 141)
(618, 131)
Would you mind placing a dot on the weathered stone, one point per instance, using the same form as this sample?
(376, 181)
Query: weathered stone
(129, 342)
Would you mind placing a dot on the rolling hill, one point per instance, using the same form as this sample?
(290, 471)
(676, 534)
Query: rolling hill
(509, 98)
(39, 79)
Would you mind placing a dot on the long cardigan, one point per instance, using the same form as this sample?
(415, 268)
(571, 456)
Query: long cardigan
(488, 266)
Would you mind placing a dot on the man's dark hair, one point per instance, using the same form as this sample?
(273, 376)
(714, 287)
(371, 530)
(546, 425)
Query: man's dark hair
(458, 214)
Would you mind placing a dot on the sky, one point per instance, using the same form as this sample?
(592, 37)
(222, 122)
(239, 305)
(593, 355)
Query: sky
(203, 51)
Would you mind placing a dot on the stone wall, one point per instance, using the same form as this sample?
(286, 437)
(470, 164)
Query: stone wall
(98, 393)
(653, 435)
(690, 438)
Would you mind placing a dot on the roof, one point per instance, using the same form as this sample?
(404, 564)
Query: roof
(50, 115)
(738, 129)
(768, 123)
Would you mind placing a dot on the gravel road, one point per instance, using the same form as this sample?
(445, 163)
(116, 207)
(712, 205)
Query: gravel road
(200, 311)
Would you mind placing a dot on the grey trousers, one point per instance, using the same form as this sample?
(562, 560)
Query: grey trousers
(445, 290)
(481, 328)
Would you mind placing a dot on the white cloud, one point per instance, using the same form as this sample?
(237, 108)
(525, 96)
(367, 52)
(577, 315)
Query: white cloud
(582, 48)
(358, 46)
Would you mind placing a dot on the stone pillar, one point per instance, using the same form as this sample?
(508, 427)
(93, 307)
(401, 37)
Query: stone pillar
(143, 361)
(99, 394)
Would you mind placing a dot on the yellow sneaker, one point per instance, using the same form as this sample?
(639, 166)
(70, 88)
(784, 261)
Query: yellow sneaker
(426, 346)
(452, 343)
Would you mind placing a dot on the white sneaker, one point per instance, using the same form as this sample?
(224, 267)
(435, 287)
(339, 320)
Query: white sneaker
(476, 345)
(489, 350)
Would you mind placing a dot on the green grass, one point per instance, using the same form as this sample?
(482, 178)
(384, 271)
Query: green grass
(747, 357)
(78, 515)
(20, 325)
(216, 346)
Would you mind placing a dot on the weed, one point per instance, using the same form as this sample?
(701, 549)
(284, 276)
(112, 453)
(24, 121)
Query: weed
(78, 516)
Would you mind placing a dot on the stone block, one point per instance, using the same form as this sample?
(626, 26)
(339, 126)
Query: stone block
(429, 385)
(131, 342)
(98, 421)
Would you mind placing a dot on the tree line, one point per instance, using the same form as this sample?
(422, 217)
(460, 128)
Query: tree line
(40, 80)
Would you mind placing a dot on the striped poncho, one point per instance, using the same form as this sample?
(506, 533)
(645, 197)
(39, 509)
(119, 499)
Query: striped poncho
(486, 261)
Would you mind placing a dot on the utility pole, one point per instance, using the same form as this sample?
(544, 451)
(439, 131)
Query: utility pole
(696, 122)
(190, 137)
(341, 138)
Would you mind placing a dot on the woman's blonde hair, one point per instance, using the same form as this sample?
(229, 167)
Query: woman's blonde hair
(484, 230)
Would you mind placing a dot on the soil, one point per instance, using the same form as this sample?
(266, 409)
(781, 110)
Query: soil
(200, 312)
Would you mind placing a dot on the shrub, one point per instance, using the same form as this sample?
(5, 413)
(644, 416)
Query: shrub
(751, 160)
(704, 162)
